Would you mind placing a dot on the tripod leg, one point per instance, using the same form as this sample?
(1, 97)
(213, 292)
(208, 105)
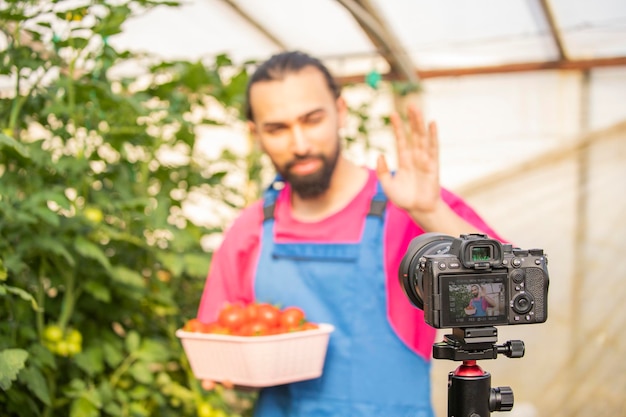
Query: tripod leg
(469, 391)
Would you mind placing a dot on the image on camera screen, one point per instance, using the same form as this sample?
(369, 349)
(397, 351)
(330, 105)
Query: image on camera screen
(474, 300)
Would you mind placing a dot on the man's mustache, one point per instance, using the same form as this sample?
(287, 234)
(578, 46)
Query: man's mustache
(301, 158)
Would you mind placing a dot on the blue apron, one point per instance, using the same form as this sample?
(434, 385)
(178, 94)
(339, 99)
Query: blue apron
(478, 305)
(368, 371)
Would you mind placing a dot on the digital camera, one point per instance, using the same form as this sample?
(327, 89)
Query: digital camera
(474, 281)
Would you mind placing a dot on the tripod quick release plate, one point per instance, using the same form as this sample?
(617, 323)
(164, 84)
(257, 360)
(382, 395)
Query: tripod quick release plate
(474, 344)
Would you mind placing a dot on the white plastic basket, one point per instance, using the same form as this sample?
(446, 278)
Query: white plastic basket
(257, 361)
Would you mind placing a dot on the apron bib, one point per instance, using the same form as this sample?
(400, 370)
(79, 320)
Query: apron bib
(368, 371)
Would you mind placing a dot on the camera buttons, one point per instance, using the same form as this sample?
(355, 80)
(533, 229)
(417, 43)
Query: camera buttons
(517, 275)
(516, 262)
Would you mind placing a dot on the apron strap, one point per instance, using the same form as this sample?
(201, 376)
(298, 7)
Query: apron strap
(378, 203)
(269, 197)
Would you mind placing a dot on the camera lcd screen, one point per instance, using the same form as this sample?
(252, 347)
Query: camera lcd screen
(473, 300)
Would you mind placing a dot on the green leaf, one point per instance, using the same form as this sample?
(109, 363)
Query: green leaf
(43, 196)
(82, 407)
(54, 246)
(141, 392)
(98, 290)
(91, 250)
(127, 276)
(13, 144)
(138, 410)
(24, 295)
(12, 361)
(3, 271)
(76, 387)
(172, 262)
(113, 409)
(196, 264)
(141, 372)
(132, 341)
(46, 215)
(153, 351)
(41, 357)
(35, 381)
(91, 360)
(112, 355)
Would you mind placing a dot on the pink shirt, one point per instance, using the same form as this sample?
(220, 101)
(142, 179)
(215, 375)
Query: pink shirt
(232, 272)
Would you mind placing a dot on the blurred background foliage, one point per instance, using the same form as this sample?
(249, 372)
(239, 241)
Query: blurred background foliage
(100, 261)
(99, 265)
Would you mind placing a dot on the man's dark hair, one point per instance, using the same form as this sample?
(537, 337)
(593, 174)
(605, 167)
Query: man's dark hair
(278, 66)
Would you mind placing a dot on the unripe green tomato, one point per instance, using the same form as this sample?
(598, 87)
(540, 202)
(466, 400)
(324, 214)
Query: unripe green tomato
(62, 348)
(205, 410)
(73, 348)
(74, 336)
(53, 333)
(93, 214)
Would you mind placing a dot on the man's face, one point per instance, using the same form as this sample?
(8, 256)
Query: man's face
(475, 291)
(296, 120)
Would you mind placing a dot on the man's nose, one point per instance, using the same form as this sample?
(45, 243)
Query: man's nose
(299, 143)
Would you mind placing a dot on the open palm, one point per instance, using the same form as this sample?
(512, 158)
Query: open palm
(415, 184)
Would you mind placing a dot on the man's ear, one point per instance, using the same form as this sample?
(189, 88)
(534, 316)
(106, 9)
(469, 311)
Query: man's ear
(254, 133)
(252, 128)
(342, 111)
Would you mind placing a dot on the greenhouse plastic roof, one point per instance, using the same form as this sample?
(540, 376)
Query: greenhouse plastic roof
(400, 39)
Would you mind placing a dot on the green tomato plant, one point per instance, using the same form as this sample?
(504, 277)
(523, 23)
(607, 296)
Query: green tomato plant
(99, 263)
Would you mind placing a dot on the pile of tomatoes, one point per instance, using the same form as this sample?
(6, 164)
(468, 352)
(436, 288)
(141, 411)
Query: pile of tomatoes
(254, 319)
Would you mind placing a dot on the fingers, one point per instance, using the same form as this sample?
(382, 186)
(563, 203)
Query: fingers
(433, 148)
(426, 139)
(210, 385)
(398, 131)
(382, 169)
(422, 137)
(418, 128)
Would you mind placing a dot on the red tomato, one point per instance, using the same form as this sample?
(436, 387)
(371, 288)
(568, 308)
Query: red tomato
(252, 312)
(255, 328)
(216, 328)
(194, 325)
(292, 318)
(310, 326)
(268, 314)
(233, 316)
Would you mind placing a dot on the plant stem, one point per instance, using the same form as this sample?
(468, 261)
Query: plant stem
(121, 370)
(69, 300)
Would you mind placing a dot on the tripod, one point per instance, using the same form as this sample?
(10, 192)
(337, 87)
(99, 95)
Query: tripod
(469, 387)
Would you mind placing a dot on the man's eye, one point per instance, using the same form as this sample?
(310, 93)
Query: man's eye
(314, 119)
(274, 129)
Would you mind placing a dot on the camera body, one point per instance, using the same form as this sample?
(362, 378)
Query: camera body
(475, 281)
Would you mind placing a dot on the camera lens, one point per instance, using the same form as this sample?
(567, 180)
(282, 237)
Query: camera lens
(409, 272)
(522, 303)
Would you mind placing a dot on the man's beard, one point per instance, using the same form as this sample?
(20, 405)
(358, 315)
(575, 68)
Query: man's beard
(315, 184)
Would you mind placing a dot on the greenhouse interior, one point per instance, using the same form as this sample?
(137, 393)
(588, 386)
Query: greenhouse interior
(124, 157)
